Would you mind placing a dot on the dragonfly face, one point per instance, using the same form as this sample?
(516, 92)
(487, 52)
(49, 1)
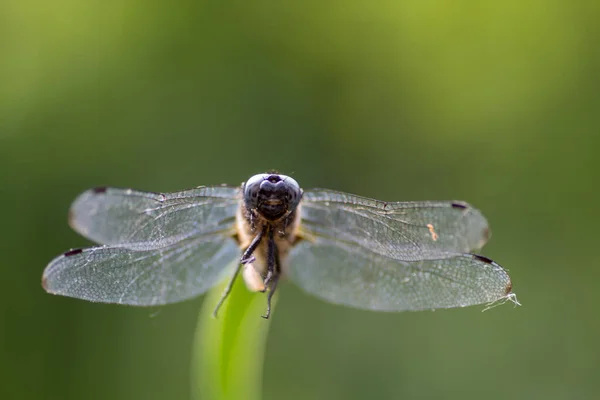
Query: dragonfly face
(271, 195)
(159, 248)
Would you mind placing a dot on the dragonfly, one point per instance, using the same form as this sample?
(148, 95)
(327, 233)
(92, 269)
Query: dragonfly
(160, 248)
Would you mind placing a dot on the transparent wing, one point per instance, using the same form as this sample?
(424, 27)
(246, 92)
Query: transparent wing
(383, 256)
(354, 276)
(145, 220)
(408, 231)
(117, 274)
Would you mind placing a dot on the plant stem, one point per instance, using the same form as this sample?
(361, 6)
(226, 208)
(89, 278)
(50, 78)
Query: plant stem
(229, 350)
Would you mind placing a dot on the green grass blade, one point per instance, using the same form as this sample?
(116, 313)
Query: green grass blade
(229, 350)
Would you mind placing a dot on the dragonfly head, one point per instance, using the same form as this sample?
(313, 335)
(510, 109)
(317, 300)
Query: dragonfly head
(273, 196)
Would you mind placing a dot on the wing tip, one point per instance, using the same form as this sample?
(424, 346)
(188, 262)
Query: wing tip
(508, 294)
(72, 220)
(508, 288)
(486, 234)
(478, 223)
(77, 212)
(44, 282)
(46, 285)
(50, 268)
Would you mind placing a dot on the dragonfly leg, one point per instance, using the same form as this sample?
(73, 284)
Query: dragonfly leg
(272, 288)
(272, 272)
(272, 261)
(227, 290)
(247, 256)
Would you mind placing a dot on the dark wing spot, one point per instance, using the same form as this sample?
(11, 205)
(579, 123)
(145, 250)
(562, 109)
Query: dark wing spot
(73, 252)
(482, 258)
(98, 190)
(459, 205)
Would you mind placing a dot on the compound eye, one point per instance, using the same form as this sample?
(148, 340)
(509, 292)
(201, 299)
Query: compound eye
(294, 193)
(252, 188)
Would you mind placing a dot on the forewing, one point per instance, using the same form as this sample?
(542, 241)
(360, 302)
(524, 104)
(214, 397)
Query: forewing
(354, 276)
(405, 231)
(117, 274)
(145, 220)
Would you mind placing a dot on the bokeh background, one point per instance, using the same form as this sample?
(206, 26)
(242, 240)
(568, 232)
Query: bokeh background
(495, 103)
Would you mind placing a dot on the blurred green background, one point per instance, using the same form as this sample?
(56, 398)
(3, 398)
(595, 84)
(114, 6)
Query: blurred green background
(495, 103)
